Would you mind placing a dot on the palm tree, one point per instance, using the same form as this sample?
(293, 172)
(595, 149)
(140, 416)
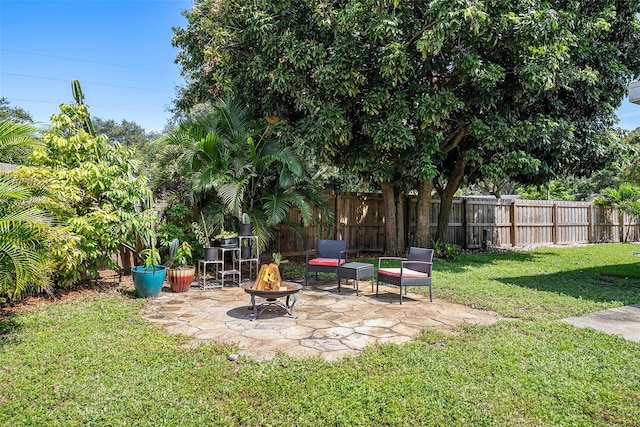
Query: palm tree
(15, 140)
(243, 165)
(24, 261)
(24, 264)
(625, 199)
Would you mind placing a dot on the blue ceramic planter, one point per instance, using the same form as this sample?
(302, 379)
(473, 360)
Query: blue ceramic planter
(148, 281)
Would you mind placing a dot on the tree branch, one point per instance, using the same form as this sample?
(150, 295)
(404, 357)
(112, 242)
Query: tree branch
(454, 139)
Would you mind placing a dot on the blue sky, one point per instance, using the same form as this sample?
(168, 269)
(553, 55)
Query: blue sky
(119, 50)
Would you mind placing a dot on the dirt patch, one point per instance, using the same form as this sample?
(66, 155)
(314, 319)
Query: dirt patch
(108, 283)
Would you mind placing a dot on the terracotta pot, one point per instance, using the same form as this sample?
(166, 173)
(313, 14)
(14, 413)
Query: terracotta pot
(180, 278)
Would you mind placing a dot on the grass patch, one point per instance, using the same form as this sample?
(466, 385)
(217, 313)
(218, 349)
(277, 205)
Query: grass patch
(94, 361)
(545, 284)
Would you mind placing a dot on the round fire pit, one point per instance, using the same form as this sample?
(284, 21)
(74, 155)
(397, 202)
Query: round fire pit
(271, 298)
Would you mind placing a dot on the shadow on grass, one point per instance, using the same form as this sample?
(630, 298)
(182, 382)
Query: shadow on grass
(599, 284)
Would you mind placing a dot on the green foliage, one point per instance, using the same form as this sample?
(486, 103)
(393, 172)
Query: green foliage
(224, 234)
(151, 257)
(277, 259)
(129, 134)
(554, 190)
(445, 251)
(16, 141)
(14, 114)
(25, 264)
(405, 92)
(240, 167)
(93, 191)
(626, 198)
(179, 253)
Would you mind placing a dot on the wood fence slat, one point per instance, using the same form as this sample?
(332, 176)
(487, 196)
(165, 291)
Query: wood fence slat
(359, 219)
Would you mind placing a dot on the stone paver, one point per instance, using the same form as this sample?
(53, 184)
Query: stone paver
(329, 325)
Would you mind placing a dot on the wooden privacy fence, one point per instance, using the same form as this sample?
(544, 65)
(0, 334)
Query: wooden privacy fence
(359, 219)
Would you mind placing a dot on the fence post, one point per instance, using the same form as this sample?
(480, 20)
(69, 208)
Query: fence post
(590, 223)
(554, 224)
(465, 224)
(512, 217)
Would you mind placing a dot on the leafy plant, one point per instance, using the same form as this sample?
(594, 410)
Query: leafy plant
(179, 253)
(277, 259)
(241, 166)
(225, 234)
(24, 256)
(94, 190)
(151, 257)
(444, 250)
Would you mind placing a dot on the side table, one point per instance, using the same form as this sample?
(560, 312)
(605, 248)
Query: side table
(202, 273)
(355, 271)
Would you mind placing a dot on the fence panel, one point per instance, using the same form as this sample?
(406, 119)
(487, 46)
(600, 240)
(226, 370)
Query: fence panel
(492, 215)
(359, 219)
(534, 222)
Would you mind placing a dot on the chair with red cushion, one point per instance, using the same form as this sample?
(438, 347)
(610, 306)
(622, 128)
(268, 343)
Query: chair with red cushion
(329, 255)
(415, 270)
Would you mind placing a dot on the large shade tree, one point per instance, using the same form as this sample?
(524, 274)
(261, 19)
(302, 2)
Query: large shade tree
(422, 94)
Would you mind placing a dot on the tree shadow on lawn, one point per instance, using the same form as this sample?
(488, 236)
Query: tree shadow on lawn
(619, 282)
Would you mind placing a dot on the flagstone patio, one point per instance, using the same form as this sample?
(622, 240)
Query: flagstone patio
(329, 325)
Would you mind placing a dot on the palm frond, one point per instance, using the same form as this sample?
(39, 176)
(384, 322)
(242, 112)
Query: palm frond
(14, 136)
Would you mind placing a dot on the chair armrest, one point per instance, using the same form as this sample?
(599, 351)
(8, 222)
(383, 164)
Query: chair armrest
(307, 252)
(389, 258)
(404, 263)
(341, 257)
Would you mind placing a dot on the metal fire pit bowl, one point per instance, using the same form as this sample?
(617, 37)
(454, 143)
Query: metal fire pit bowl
(271, 298)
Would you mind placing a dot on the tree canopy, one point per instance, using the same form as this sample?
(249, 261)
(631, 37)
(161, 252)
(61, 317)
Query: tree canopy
(423, 94)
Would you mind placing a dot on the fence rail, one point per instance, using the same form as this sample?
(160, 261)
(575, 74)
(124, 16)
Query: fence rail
(359, 219)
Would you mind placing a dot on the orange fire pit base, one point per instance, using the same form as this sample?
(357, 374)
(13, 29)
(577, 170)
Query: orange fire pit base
(288, 290)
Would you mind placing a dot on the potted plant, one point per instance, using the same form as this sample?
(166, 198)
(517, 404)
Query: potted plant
(180, 274)
(228, 238)
(149, 277)
(246, 227)
(203, 236)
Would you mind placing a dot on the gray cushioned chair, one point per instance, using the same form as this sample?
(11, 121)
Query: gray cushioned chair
(415, 270)
(328, 256)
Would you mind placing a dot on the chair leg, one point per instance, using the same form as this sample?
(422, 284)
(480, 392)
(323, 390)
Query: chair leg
(430, 294)
(376, 288)
(306, 275)
(401, 294)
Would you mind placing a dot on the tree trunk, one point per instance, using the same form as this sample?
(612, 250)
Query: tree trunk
(423, 214)
(390, 219)
(446, 198)
(402, 205)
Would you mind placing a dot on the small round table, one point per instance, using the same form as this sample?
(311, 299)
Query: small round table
(271, 298)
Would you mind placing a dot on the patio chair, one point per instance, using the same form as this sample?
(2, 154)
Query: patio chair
(329, 255)
(415, 270)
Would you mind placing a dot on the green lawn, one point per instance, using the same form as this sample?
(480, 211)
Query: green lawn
(95, 362)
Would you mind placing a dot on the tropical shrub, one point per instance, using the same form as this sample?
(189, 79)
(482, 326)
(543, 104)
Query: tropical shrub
(236, 167)
(24, 259)
(93, 190)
